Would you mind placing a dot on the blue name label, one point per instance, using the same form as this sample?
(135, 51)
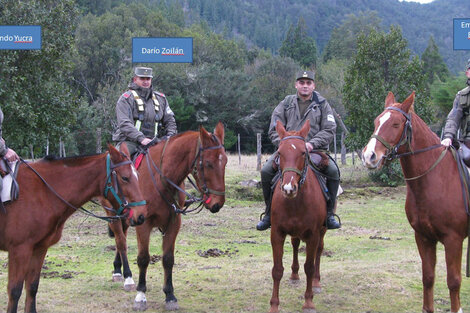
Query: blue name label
(20, 37)
(461, 33)
(162, 50)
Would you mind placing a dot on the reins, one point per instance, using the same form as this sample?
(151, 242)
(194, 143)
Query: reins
(109, 167)
(191, 199)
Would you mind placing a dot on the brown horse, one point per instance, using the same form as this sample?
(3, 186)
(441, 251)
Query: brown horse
(51, 191)
(299, 210)
(434, 200)
(161, 173)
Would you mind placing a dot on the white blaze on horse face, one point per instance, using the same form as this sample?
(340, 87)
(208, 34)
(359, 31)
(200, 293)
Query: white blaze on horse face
(134, 171)
(288, 187)
(370, 148)
(292, 145)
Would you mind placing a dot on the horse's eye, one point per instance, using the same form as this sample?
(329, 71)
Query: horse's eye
(125, 179)
(209, 165)
(396, 125)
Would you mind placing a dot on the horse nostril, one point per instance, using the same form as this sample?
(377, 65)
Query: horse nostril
(372, 157)
(140, 220)
(215, 208)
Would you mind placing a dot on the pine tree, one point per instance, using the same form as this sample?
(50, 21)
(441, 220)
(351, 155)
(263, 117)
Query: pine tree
(433, 64)
(299, 46)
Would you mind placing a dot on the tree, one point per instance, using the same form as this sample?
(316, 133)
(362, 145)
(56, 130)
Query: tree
(433, 65)
(343, 40)
(36, 98)
(443, 95)
(382, 64)
(299, 46)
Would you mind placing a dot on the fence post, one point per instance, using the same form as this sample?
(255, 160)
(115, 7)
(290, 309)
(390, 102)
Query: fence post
(258, 151)
(98, 140)
(238, 148)
(343, 149)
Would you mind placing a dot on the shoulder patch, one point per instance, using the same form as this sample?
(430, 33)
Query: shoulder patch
(126, 95)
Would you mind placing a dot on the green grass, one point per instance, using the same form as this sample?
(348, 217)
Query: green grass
(370, 265)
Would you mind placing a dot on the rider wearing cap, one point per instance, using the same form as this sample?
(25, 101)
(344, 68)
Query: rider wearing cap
(459, 116)
(293, 111)
(142, 113)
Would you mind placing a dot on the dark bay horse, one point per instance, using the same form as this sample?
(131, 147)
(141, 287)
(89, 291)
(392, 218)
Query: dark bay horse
(434, 200)
(165, 166)
(299, 210)
(50, 192)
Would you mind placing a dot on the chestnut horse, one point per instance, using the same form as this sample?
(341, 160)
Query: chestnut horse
(434, 200)
(51, 191)
(299, 210)
(162, 170)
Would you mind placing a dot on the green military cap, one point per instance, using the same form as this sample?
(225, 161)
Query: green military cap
(306, 75)
(143, 72)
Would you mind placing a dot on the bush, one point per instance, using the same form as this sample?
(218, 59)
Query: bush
(390, 175)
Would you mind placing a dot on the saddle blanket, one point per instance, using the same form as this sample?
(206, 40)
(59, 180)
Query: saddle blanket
(8, 182)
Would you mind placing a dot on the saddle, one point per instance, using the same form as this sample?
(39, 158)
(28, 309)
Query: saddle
(9, 188)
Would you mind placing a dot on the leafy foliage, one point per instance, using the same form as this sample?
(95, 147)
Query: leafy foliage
(382, 64)
(299, 46)
(433, 65)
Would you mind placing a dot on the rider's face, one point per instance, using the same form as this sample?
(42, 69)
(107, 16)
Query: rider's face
(144, 82)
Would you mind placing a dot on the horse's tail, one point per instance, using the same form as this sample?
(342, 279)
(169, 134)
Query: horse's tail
(110, 232)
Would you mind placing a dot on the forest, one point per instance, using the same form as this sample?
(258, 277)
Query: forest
(245, 57)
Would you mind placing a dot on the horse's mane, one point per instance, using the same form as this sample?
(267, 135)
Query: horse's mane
(70, 160)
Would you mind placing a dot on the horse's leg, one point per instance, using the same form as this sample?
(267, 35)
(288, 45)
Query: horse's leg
(143, 260)
(295, 260)
(277, 244)
(120, 234)
(32, 278)
(309, 268)
(18, 261)
(168, 260)
(316, 274)
(453, 250)
(427, 252)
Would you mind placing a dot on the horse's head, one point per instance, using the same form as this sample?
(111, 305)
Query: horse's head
(209, 167)
(293, 158)
(392, 130)
(122, 186)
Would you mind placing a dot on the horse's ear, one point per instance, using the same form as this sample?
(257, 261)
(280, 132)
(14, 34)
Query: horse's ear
(389, 100)
(305, 129)
(123, 148)
(116, 156)
(280, 129)
(204, 134)
(408, 103)
(220, 132)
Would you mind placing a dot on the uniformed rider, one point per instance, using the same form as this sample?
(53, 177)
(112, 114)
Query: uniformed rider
(142, 113)
(459, 116)
(293, 111)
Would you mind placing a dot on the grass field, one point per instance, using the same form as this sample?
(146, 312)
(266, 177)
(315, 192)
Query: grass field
(222, 264)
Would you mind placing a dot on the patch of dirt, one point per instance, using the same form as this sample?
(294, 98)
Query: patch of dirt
(155, 258)
(215, 252)
(325, 252)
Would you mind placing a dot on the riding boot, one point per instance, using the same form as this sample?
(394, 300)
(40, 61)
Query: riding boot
(265, 222)
(331, 222)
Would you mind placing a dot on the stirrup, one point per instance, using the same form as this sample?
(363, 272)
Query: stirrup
(333, 215)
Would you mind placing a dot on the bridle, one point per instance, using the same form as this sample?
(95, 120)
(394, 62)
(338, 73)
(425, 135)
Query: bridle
(302, 173)
(406, 136)
(204, 190)
(109, 186)
(112, 181)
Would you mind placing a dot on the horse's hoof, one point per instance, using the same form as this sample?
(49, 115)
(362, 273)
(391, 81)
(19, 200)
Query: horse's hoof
(140, 306)
(129, 284)
(316, 290)
(172, 306)
(117, 278)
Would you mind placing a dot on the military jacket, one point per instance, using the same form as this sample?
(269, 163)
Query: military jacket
(3, 147)
(127, 113)
(459, 116)
(319, 114)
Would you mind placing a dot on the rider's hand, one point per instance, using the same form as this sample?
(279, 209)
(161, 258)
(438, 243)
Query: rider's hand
(11, 155)
(446, 142)
(145, 141)
(309, 146)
